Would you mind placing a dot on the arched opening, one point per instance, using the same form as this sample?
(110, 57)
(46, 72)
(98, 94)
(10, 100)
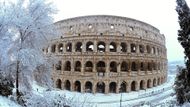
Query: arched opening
(142, 66)
(123, 87)
(112, 87)
(67, 66)
(89, 47)
(100, 87)
(77, 86)
(141, 48)
(133, 48)
(101, 47)
(88, 66)
(69, 47)
(78, 66)
(133, 66)
(158, 81)
(154, 82)
(58, 83)
(113, 47)
(100, 68)
(133, 86)
(148, 49)
(124, 66)
(58, 65)
(60, 47)
(78, 47)
(149, 66)
(123, 47)
(113, 66)
(149, 83)
(142, 85)
(153, 50)
(53, 48)
(162, 80)
(88, 87)
(67, 85)
(154, 65)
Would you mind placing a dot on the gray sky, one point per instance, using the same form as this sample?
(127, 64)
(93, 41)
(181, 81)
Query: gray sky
(159, 13)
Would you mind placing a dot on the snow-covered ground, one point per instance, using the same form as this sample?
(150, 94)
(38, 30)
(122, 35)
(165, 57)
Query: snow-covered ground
(156, 96)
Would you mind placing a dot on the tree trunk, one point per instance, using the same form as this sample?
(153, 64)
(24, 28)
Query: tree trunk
(17, 77)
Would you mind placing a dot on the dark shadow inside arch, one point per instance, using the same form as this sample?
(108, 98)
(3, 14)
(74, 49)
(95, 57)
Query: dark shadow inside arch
(67, 85)
(88, 87)
(100, 87)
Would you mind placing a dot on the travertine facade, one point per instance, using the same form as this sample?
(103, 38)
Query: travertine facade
(107, 54)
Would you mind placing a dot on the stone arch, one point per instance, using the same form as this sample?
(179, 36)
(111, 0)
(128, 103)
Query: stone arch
(162, 80)
(100, 87)
(142, 85)
(124, 66)
(77, 86)
(58, 65)
(88, 66)
(78, 47)
(141, 48)
(69, 47)
(123, 47)
(60, 47)
(133, 86)
(149, 83)
(154, 82)
(113, 47)
(67, 85)
(112, 87)
(133, 48)
(78, 66)
(101, 47)
(88, 87)
(123, 87)
(58, 83)
(113, 66)
(142, 66)
(53, 48)
(89, 46)
(148, 49)
(100, 66)
(133, 66)
(67, 66)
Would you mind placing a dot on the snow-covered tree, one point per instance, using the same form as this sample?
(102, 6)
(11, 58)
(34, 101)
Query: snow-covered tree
(25, 27)
(182, 82)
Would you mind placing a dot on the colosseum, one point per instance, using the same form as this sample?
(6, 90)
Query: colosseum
(107, 54)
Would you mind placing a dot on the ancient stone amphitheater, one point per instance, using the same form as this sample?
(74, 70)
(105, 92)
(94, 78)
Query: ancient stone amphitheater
(107, 54)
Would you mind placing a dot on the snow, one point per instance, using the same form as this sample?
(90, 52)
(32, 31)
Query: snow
(5, 102)
(154, 96)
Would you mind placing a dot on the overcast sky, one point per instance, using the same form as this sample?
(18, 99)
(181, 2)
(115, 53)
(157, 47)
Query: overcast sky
(159, 13)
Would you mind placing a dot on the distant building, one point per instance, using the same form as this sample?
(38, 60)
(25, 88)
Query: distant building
(107, 54)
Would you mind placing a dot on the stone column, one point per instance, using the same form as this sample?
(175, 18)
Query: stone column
(56, 48)
(73, 46)
(82, 66)
(83, 46)
(95, 46)
(118, 48)
(94, 87)
(118, 67)
(106, 87)
(107, 46)
(94, 66)
(107, 66)
(129, 48)
(72, 65)
(64, 47)
(118, 87)
(137, 48)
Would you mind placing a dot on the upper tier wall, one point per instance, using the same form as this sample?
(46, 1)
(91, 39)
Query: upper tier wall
(109, 25)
